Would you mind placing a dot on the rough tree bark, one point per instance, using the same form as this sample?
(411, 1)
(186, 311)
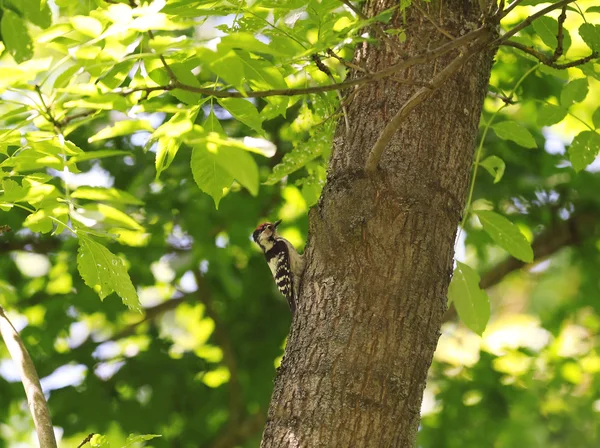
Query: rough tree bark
(380, 250)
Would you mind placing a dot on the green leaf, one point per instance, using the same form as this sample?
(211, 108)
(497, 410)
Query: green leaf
(590, 35)
(15, 36)
(36, 13)
(300, 156)
(39, 222)
(136, 439)
(105, 272)
(230, 68)
(574, 92)
(103, 153)
(495, 166)
(87, 25)
(516, 132)
(471, 302)
(584, 149)
(105, 194)
(243, 111)
(596, 118)
(215, 164)
(506, 235)
(212, 124)
(125, 127)
(550, 114)
(169, 137)
(210, 177)
(547, 29)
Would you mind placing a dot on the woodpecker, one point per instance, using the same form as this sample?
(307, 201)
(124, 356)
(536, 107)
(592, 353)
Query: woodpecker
(285, 262)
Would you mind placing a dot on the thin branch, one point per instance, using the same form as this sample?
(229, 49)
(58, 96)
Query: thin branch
(86, 440)
(560, 34)
(392, 127)
(345, 63)
(149, 314)
(566, 233)
(525, 23)
(508, 9)
(428, 17)
(31, 382)
(499, 96)
(376, 26)
(546, 60)
(172, 76)
(65, 121)
(385, 73)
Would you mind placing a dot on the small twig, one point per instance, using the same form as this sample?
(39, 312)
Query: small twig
(170, 72)
(392, 127)
(322, 67)
(345, 63)
(499, 96)
(376, 26)
(560, 34)
(421, 58)
(504, 12)
(47, 110)
(65, 121)
(546, 60)
(86, 440)
(31, 382)
(525, 23)
(437, 27)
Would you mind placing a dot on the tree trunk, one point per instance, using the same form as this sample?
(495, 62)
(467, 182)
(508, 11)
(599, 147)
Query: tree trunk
(380, 250)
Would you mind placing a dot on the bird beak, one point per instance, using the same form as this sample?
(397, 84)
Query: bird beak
(276, 223)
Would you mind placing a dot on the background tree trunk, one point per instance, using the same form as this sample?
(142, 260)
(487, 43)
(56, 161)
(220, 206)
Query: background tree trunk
(380, 250)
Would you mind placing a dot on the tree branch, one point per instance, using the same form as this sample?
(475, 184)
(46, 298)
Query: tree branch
(549, 61)
(31, 382)
(504, 12)
(525, 23)
(566, 233)
(437, 27)
(392, 127)
(422, 58)
(86, 440)
(4, 229)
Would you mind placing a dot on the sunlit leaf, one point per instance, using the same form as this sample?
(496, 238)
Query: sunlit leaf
(591, 35)
(495, 166)
(243, 111)
(550, 114)
(15, 36)
(574, 92)
(105, 272)
(125, 127)
(516, 132)
(105, 194)
(471, 302)
(584, 149)
(101, 154)
(506, 235)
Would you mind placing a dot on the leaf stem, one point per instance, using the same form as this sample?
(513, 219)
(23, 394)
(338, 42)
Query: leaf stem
(480, 148)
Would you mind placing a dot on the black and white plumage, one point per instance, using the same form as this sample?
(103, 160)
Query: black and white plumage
(285, 262)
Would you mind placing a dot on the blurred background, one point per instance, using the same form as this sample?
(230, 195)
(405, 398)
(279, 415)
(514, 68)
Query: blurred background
(197, 366)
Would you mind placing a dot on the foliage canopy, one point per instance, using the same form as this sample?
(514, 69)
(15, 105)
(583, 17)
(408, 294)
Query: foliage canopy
(140, 144)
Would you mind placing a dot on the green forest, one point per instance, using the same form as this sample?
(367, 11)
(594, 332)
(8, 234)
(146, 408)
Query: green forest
(142, 143)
